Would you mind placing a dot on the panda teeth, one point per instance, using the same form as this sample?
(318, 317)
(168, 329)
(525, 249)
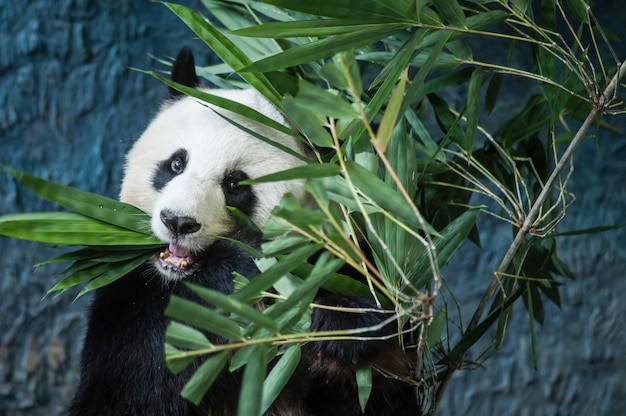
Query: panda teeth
(168, 260)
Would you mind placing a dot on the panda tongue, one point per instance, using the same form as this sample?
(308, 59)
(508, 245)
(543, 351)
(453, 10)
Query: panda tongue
(178, 251)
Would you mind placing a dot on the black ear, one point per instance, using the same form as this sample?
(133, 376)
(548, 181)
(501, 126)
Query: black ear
(183, 71)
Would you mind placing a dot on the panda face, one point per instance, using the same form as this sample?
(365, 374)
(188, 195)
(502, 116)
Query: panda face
(186, 169)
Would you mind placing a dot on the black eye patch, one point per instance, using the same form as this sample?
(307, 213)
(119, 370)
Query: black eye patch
(169, 168)
(239, 196)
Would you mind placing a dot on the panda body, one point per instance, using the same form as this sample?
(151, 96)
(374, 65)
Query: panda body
(185, 170)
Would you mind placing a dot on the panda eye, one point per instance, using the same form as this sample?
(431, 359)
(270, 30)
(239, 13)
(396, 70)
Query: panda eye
(177, 165)
(233, 185)
(231, 182)
(236, 194)
(167, 169)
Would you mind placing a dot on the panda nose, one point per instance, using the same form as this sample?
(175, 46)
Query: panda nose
(179, 225)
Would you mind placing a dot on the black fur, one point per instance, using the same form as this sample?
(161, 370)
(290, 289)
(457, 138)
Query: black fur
(183, 72)
(123, 367)
(332, 364)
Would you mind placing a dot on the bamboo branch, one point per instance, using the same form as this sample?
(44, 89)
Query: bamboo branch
(600, 105)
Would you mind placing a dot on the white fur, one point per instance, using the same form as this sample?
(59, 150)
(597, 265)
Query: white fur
(214, 147)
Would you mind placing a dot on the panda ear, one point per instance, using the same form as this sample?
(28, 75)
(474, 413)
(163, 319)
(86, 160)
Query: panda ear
(183, 71)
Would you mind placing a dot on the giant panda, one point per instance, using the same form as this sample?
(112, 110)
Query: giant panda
(185, 171)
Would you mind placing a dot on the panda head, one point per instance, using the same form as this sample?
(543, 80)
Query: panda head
(185, 171)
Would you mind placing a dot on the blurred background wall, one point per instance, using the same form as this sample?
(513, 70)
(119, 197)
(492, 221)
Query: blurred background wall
(70, 107)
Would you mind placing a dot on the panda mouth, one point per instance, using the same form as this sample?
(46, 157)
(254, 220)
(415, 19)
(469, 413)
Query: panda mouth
(177, 259)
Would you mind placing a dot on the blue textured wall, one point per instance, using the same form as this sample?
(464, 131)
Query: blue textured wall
(70, 108)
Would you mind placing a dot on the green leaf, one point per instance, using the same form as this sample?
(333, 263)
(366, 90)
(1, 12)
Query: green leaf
(68, 228)
(251, 392)
(451, 12)
(310, 171)
(80, 273)
(323, 48)
(390, 117)
(102, 254)
(175, 363)
(384, 196)
(184, 336)
(446, 243)
(280, 374)
(86, 203)
(309, 28)
(225, 49)
(229, 304)
(201, 381)
(472, 112)
(447, 120)
(304, 294)
(113, 273)
(364, 385)
(592, 230)
(400, 59)
(436, 327)
(267, 278)
(341, 8)
(199, 316)
(580, 9)
(493, 89)
(320, 101)
(307, 122)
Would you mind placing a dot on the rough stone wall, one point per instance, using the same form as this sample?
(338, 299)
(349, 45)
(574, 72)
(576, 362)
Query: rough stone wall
(70, 108)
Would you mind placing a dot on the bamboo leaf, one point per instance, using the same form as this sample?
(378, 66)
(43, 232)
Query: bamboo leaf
(201, 381)
(447, 242)
(322, 48)
(383, 195)
(309, 28)
(251, 392)
(267, 278)
(580, 9)
(175, 363)
(113, 272)
(436, 327)
(307, 122)
(390, 117)
(229, 304)
(89, 271)
(280, 374)
(184, 336)
(472, 112)
(341, 8)
(68, 228)
(493, 89)
(88, 204)
(199, 316)
(313, 170)
(364, 385)
(451, 12)
(225, 49)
